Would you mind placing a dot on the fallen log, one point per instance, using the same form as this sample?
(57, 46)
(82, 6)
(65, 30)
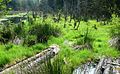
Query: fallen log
(30, 63)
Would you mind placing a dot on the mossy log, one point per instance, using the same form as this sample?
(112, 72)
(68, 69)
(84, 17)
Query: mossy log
(31, 63)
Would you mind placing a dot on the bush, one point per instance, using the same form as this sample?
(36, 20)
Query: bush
(44, 31)
(6, 33)
(18, 29)
(30, 40)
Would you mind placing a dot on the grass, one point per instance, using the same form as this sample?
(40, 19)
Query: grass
(100, 43)
(99, 38)
(17, 53)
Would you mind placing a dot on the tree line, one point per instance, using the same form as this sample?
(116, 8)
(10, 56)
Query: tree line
(75, 8)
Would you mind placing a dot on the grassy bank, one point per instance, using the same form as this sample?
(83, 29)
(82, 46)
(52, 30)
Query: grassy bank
(99, 38)
(91, 32)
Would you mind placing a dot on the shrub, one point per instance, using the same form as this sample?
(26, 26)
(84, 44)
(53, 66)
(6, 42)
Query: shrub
(44, 31)
(6, 33)
(18, 29)
(30, 40)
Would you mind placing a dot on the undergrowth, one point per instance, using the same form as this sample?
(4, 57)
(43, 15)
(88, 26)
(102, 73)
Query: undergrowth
(53, 33)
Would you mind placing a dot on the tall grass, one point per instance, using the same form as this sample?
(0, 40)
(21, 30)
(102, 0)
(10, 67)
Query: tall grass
(44, 31)
(15, 54)
(115, 26)
(50, 32)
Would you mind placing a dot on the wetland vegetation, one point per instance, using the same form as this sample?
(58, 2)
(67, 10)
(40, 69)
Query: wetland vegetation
(84, 30)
